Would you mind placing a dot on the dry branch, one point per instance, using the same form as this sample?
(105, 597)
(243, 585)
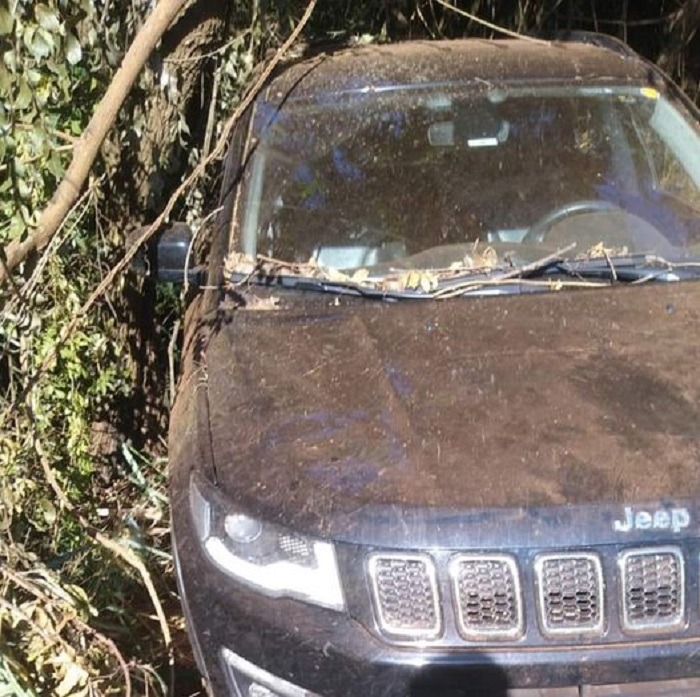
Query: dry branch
(87, 148)
(189, 181)
(684, 26)
(490, 25)
(30, 586)
(149, 231)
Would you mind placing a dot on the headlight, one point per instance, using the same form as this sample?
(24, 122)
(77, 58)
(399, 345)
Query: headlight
(267, 557)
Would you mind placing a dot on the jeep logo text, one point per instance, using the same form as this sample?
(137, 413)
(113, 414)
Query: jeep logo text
(675, 519)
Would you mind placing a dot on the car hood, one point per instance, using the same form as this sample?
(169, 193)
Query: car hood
(558, 399)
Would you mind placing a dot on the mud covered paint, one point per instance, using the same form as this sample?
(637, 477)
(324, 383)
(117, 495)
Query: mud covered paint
(381, 68)
(553, 399)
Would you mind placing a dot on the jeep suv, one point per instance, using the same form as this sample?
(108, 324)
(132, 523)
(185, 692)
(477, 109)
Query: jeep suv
(438, 426)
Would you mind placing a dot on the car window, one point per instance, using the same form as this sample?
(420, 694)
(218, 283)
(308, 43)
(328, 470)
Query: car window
(369, 179)
(671, 147)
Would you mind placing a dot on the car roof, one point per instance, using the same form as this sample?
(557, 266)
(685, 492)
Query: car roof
(430, 62)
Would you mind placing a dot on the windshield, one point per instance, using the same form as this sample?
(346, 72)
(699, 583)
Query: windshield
(463, 177)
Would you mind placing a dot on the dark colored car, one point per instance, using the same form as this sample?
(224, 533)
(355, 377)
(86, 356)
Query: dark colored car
(438, 427)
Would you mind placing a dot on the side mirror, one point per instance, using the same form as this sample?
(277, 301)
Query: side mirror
(170, 252)
(165, 257)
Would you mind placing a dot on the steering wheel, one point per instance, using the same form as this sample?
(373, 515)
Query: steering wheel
(539, 230)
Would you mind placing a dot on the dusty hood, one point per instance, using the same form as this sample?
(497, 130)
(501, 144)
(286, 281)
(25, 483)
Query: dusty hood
(537, 400)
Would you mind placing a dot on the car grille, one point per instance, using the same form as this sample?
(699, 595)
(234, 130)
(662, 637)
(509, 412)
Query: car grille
(448, 598)
(487, 596)
(406, 595)
(653, 589)
(570, 594)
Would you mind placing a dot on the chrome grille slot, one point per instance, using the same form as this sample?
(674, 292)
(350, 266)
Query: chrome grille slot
(570, 594)
(486, 590)
(653, 597)
(405, 594)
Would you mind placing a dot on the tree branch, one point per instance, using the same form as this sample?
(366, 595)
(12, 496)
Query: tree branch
(490, 25)
(150, 230)
(88, 146)
(681, 31)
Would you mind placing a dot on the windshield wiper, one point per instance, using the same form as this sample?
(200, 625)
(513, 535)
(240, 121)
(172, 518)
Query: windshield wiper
(552, 272)
(628, 268)
(324, 285)
(501, 279)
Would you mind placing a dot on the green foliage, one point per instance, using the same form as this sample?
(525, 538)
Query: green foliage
(71, 609)
(60, 589)
(43, 100)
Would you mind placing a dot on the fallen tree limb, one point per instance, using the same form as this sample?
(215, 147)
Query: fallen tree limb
(114, 546)
(88, 146)
(29, 585)
(124, 262)
(186, 185)
(490, 25)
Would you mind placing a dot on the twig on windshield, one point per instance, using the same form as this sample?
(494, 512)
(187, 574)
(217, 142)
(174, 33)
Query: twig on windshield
(278, 262)
(539, 263)
(502, 278)
(613, 270)
(250, 267)
(655, 259)
(516, 273)
(475, 284)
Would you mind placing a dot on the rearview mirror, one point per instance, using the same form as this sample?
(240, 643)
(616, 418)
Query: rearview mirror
(477, 127)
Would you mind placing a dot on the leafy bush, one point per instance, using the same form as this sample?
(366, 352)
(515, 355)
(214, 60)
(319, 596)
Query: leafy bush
(68, 477)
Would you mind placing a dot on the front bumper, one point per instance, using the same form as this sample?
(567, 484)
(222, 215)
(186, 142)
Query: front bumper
(308, 650)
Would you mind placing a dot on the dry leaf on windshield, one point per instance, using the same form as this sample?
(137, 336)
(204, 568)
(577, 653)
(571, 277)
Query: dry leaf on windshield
(360, 276)
(478, 259)
(599, 250)
(332, 274)
(489, 258)
(239, 263)
(412, 280)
